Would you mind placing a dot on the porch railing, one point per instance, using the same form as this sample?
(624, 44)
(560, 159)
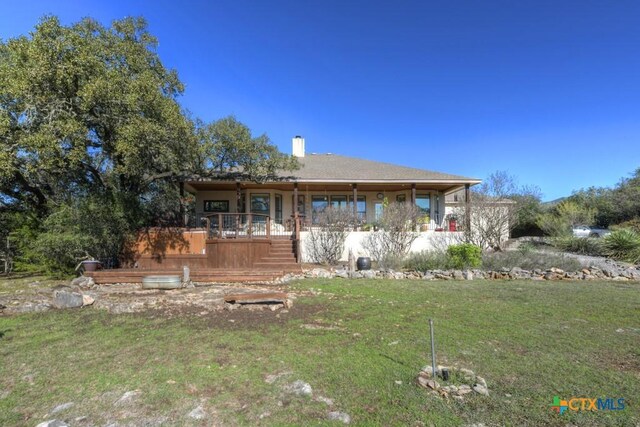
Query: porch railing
(246, 226)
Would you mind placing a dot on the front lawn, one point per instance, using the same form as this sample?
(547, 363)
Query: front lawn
(360, 343)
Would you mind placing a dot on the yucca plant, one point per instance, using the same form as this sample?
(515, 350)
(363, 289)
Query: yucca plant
(623, 244)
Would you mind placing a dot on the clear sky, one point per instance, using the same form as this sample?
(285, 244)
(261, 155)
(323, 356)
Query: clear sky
(546, 90)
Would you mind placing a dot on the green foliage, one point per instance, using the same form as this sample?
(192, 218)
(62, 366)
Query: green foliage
(623, 244)
(88, 228)
(228, 147)
(91, 130)
(528, 260)
(427, 260)
(561, 218)
(465, 255)
(613, 205)
(579, 245)
(632, 224)
(86, 107)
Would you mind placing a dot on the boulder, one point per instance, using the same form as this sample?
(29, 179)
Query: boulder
(300, 388)
(343, 417)
(67, 299)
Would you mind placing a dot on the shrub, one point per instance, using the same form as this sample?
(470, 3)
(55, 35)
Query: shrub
(397, 233)
(579, 245)
(464, 255)
(528, 260)
(326, 240)
(390, 262)
(427, 260)
(632, 224)
(623, 244)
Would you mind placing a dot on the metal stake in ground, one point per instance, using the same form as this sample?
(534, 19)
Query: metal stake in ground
(433, 350)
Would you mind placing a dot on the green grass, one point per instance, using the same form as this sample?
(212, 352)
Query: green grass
(529, 340)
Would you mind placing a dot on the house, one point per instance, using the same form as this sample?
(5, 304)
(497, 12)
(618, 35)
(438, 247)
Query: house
(263, 226)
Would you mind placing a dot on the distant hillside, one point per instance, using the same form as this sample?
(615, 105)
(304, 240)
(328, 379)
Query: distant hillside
(554, 202)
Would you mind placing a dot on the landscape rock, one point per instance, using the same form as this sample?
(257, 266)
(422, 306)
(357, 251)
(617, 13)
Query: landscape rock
(53, 423)
(127, 397)
(300, 388)
(87, 300)
(481, 381)
(343, 417)
(62, 407)
(66, 299)
(481, 389)
(467, 275)
(368, 274)
(198, 413)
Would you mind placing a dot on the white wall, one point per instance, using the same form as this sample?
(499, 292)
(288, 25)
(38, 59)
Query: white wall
(429, 240)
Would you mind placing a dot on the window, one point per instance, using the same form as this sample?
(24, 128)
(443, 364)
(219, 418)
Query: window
(279, 208)
(216, 206)
(260, 205)
(301, 205)
(401, 198)
(339, 202)
(318, 204)
(423, 202)
(361, 207)
(378, 208)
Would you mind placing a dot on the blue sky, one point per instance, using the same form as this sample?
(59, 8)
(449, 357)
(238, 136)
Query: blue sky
(547, 90)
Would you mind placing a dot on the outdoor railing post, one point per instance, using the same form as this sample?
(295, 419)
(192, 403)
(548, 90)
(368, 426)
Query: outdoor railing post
(250, 225)
(268, 227)
(220, 226)
(208, 227)
(237, 224)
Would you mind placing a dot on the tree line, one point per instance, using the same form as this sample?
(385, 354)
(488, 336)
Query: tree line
(94, 142)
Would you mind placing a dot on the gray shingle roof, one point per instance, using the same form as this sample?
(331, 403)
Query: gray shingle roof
(333, 167)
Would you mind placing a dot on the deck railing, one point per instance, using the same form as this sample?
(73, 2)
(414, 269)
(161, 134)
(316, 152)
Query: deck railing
(246, 226)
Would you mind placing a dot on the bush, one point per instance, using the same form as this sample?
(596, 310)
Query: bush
(86, 228)
(528, 260)
(390, 262)
(464, 255)
(397, 233)
(579, 245)
(326, 239)
(427, 260)
(623, 244)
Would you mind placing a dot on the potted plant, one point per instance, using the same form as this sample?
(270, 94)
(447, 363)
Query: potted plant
(89, 264)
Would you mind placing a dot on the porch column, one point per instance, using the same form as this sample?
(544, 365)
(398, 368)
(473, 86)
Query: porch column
(413, 194)
(238, 197)
(295, 199)
(467, 207)
(355, 202)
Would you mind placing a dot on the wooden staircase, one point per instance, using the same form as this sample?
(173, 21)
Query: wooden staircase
(281, 257)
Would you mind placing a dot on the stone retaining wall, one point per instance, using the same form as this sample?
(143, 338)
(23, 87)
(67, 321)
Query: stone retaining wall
(611, 271)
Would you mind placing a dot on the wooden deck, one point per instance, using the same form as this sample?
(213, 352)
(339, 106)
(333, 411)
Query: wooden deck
(213, 275)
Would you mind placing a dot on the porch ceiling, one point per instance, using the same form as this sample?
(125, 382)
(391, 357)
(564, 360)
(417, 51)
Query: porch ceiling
(446, 187)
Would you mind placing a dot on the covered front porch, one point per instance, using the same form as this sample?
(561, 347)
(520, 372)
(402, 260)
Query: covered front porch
(283, 203)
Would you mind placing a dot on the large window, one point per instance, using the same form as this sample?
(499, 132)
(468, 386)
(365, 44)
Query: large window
(423, 202)
(339, 202)
(361, 207)
(260, 205)
(279, 208)
(378, 208)
(301, 205)
(318, 204)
